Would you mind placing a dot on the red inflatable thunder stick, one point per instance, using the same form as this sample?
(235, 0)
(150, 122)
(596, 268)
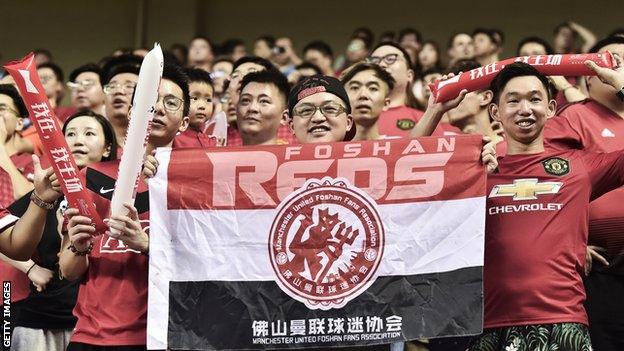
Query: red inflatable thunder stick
(24, 72)
(550, 65)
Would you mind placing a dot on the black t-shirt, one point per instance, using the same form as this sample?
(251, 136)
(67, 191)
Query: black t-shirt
(52, 308)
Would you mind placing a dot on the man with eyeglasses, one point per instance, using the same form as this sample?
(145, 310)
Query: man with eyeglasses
(119, 85)
(112, 302)
(402, 114)
(319, 111)
(86, 88)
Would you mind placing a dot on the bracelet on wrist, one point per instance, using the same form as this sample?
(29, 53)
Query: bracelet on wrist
(29, 269)
(77, 252)
(41, 203)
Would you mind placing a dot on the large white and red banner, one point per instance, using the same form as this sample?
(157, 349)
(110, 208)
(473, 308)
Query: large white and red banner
(316, 245)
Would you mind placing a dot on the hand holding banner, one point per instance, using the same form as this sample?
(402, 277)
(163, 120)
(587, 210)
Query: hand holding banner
(550, 65)
(24, 72)
(143, 106)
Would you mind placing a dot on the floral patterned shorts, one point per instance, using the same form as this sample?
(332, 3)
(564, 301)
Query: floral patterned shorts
(540, 337)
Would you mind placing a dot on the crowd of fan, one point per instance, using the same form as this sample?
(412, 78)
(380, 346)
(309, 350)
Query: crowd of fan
(381, 84)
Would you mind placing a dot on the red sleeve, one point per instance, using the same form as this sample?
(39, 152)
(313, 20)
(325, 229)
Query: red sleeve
(560, 134)
(606, 171)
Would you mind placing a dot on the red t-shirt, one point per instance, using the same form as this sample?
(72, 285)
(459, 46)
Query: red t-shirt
(284, 136)
(536, 234)
(560, 98)
(192, 138)
(23, 162)
(63, 112)
(112, 302)
(397, 122)
(233, 137)
(590, 126)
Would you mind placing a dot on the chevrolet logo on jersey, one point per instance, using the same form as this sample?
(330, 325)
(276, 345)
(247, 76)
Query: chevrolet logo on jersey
(525, 189)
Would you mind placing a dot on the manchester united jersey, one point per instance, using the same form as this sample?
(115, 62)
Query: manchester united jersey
(590, 126)
(536, 234)
(398, 122)
(112, 302)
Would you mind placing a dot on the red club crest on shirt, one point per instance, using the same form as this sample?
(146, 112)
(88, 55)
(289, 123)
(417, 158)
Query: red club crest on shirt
(326, 243)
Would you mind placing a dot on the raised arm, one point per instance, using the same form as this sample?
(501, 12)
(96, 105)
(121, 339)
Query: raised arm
(20, 241)
(76, 245)
(613, 77)
(589, 38)
(434, 112)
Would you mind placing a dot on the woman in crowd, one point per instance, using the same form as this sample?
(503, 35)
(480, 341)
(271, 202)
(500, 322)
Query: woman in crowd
(44, 320)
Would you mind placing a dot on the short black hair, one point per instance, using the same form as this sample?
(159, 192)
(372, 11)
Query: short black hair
(254, 59)
(410, 31)
(222, 59)
(319, 46)
(386, 36)
(453, 36)
(499, 35)
(10, 91)
(109, 133)
(309, 65)
(617, 32)
(123, 68)
(562, 25)
(513, 70)
(89, 67)
(490, 33)
(463, 65)
(58, 72)
(176, 74)
(607, 41)
(432, 70)
(366, 34)
(120, 64)
(178, 46)
(204, 38)
(269, 77)
(198, 75)
(406, 56)
(365, 66)
(44, 52)
(538, 40)
(270, 40)
(228, 46)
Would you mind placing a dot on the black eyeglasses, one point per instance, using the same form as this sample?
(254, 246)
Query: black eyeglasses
(330, 109)
(387, 59)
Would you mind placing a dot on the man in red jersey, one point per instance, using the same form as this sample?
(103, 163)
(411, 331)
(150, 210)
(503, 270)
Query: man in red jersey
(112, 302)
(402, 115)
(536, 223)
(597, 125)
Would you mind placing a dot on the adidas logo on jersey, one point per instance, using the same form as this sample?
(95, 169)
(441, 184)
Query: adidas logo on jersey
(606, 133)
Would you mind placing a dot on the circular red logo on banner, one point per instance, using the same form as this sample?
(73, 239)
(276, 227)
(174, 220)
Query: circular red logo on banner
(326, 243)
